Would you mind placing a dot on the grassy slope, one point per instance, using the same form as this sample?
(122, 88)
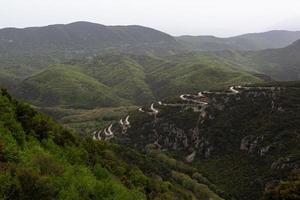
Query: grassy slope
(168, 75)
(280, 64)
(193, 72)
(125, 77)
(247, 42)
(41, 160)
(116, 79)
(61, 86)
(87, 120)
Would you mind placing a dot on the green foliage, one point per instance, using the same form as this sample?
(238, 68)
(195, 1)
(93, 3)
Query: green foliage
(87, 120)
(227, 169)
(51, 162)
(288, 189)
(63, 86)
(200, 190)
(279, 64)
(113, 79)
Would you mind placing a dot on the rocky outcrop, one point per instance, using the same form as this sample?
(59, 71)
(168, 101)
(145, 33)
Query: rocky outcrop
(289, 163)
(251, 143)
(255, 145)
(166, 134)
(190, 158)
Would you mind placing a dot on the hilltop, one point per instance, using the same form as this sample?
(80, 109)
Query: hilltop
(83, 38)
(125, 79)
(248, 42)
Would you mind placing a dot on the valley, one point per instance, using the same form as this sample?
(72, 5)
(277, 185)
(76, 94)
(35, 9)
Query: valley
(89, 111)
(196, 131)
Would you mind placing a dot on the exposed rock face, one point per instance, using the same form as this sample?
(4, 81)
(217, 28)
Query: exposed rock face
(246, 143)
(206, 107)
(251, 143)
(255, 145)
(191, 157)
(254, 130)
(287, 163)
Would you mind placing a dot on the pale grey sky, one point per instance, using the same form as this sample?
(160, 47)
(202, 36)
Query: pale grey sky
(176, 17)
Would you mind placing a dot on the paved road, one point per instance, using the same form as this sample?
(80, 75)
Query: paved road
(109, 130)
(94, 135)
(127, 123)
(153, 109)
(234, 91)
(99, 135)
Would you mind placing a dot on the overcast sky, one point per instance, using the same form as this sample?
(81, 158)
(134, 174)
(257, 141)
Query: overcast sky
(176, 17)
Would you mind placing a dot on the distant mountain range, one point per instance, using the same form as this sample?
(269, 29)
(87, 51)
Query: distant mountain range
(123, 65)
(280, 64)
(247, 42)
(81, 38)
(84, 37)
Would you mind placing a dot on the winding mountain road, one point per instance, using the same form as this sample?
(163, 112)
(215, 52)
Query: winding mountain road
(109, 130)
(234, 91)
(141, 110)
(99, 135)
(94, 135)
(155, 111)
(200, 94)
(127, 123)
(187, 97)
(182, 97)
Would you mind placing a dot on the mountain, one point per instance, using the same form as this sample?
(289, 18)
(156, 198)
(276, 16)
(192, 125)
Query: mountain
(244, 139)
(40, 159)
(61, 86)
(280, 64)
(24, 52)
(122, 79)
(83, 38)
(247, 42)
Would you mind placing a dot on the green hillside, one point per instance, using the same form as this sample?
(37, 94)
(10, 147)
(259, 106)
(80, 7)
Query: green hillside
(60, 85)
(120, 79)
(247, 42)
(146, 77)
(194, 71)
(280, 64)
(245, 142)
(87, 120)
(39, 159)
(121, 73)
(82, 38)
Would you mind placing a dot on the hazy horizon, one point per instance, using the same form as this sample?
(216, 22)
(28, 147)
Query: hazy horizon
(190, 17)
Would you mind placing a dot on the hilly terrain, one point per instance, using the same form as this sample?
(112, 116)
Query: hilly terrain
(245, 139)
(247, 42)
(35, 48)
(131, 65)
(139, 114)
(59, 86)
(125, 79)
(39, 159)
(280, 64)
(83, 38)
